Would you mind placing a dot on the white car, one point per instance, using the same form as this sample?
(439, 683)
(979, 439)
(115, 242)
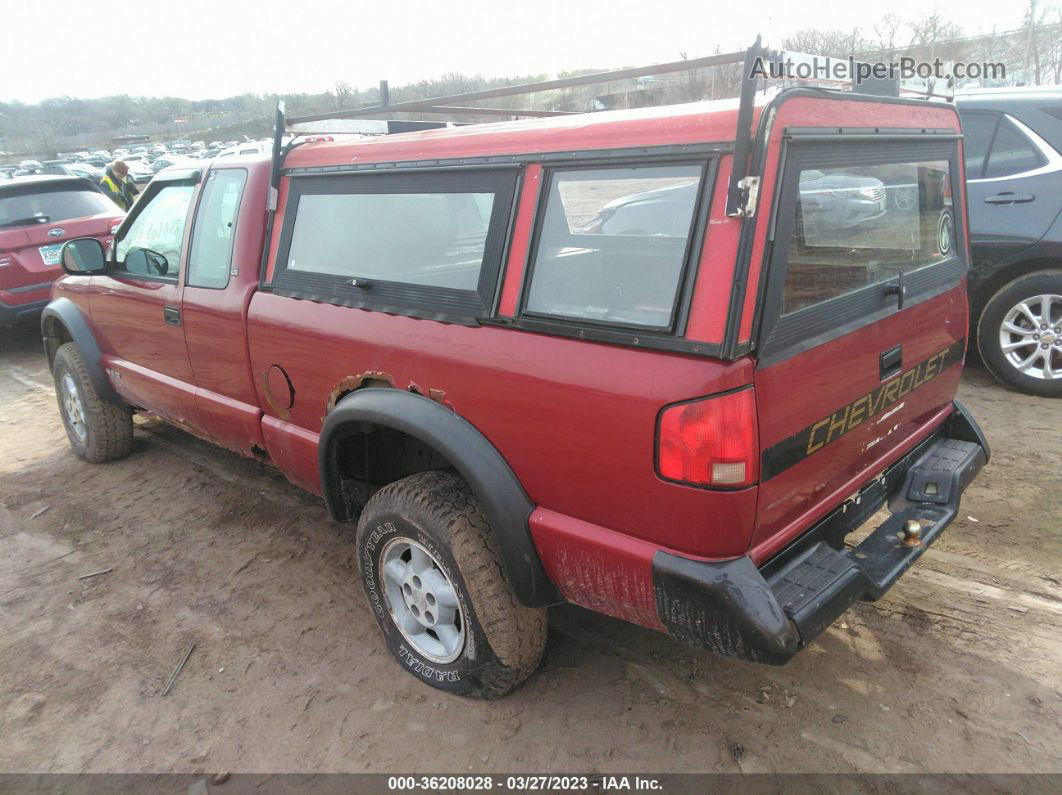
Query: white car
(248, 148)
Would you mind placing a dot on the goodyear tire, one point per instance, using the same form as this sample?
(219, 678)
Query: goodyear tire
(97, 429)
(433, 575)
(1019, 334)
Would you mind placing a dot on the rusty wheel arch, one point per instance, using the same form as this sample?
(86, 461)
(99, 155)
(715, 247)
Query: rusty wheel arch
(399, 433)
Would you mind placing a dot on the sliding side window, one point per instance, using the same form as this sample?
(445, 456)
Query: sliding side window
(613, 245)
(427, 244)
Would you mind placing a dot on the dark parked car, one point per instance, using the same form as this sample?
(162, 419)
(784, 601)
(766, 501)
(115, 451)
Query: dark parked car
(1013, 151)
(84, 170)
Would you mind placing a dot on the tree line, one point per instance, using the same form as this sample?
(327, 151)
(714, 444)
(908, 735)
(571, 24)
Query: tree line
(1032, 55)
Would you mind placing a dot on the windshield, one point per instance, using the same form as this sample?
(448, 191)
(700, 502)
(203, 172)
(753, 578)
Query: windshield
(49, 206)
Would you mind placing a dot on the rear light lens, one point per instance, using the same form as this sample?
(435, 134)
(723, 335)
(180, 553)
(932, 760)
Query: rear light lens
(710, 442)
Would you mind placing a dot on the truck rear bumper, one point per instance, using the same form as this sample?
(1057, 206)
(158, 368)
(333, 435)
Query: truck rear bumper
(768, 614)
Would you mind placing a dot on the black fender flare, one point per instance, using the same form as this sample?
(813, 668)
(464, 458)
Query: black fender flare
(69, 316)
(504, 502)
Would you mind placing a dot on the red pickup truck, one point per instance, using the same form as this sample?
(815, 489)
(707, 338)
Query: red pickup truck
(659, 363)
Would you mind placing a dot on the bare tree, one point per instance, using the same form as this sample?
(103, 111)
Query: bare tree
(932, 33)
(886, 42)
(342, 94)
(827, 42)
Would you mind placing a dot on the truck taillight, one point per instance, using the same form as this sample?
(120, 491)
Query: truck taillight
(710, 441)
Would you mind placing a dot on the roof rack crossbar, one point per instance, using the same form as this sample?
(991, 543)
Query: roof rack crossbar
(416, 105)
(459, 109)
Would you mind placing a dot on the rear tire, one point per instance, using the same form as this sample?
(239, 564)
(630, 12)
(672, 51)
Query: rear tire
(98, 430)
(432, 571)
(1005, 322)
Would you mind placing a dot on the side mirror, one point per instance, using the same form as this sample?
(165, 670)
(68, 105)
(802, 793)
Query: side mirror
(145, 261)
(82, 256)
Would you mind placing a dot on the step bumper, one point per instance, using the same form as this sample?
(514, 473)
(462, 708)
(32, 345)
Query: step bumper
(768, 614)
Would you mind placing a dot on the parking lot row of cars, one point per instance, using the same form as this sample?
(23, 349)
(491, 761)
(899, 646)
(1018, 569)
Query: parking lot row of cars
(144, 161)
(45, 203)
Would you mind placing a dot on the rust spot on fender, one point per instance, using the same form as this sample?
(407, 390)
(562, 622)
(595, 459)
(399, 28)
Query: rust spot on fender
(353, 382)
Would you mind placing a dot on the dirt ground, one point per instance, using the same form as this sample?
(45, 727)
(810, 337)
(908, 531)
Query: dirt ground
(957, 669)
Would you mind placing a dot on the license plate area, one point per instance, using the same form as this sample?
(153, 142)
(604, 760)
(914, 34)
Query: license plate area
(51, 254)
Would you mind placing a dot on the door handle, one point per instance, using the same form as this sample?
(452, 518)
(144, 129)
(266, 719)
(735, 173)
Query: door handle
(1009, 197)
(891, 362)
(172, 315)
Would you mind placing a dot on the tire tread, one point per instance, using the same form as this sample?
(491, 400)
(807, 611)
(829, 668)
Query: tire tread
(110, 432)
(516, 633)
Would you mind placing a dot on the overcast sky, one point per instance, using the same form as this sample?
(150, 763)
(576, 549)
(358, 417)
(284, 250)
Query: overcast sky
(216, 48)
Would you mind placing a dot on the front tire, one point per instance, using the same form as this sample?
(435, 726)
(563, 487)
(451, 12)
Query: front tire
(1020, 334)
(434, 578)
(98, 430)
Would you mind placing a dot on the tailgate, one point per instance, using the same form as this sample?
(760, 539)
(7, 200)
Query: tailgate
(864, 314)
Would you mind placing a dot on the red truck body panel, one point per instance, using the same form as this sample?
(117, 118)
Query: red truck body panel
(530, 395)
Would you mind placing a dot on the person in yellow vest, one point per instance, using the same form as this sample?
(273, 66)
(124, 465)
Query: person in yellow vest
(116, 184)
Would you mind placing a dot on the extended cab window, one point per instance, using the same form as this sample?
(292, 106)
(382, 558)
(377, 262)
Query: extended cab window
(613, 244)
(151, 246)
(215, 227)
(428, 243)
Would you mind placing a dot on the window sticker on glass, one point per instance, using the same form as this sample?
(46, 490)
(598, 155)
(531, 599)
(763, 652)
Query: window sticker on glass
(159, 231)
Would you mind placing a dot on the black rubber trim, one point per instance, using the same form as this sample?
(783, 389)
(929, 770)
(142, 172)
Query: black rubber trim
(725, 607)
(591, 333)
(503, 499)
(961, 425)
(67, 314)
(10, 314)
(768, 614)
(29, 288)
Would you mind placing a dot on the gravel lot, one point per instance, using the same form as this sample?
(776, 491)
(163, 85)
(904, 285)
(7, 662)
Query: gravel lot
(957, 669)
